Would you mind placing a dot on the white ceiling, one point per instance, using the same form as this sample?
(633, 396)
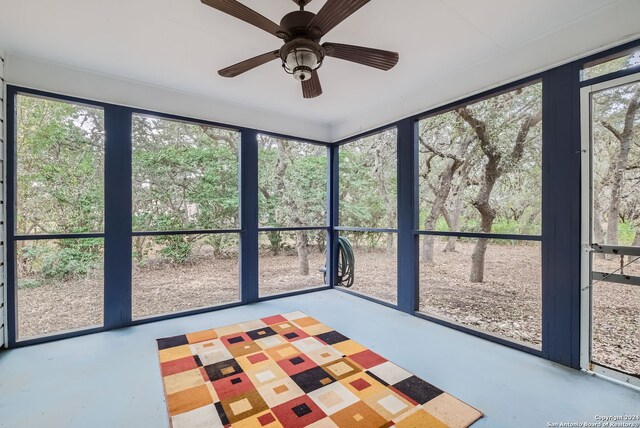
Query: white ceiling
(180, 44)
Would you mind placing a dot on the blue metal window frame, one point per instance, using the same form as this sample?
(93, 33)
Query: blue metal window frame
(408, 214)
(401, 187)
(327, 227)
(117, 308)
(560, 238)
(479, 235)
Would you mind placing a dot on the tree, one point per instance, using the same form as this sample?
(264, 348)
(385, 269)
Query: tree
(447, 145)
(505, 113)
(620, 105)
(185, 177)
(292, 183)
(368, 184)
(60, 186)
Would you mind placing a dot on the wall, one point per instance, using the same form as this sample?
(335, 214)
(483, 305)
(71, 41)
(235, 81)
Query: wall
(2, 207)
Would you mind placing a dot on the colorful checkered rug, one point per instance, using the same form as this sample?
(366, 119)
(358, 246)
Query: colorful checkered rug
(292, 371)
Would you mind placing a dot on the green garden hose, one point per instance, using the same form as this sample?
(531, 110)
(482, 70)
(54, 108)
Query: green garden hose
(346, 263)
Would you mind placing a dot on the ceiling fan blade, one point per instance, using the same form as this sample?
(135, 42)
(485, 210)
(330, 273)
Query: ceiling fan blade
(333, 13)
(248, 64)
(240, 11)
(311, 88)
(383, 60)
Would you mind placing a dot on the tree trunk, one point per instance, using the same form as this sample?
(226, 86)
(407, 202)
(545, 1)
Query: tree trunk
(453, 221)
(427, 249)
(321, 241)
(441, 192)
(388, 201)
(302, 240)
(390, 244)
(492, 171)
(302, 244)
(487, 215)
(453, 216)
(625, 138)
(613, 213)
(477, 260)
(598, 231)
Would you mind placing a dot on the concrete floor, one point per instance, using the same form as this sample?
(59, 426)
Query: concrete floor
(112, 379)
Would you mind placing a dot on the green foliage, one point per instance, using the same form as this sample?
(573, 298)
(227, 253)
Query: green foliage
(28, 283)
(185, 176)
(292, 179)
(59, 260)
(626, 233)
(368, 181)
(176, 248)
(60, 156)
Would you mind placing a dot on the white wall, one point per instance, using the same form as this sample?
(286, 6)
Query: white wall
(3, 321)
(47, 76)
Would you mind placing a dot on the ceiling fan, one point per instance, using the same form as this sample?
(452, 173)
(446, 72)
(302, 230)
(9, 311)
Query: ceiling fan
(302, 54)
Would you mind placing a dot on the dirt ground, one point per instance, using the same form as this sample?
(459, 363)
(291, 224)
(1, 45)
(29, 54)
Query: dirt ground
(508, 303)
(158, 289)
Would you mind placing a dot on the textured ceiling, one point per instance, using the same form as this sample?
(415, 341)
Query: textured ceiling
(180, 44)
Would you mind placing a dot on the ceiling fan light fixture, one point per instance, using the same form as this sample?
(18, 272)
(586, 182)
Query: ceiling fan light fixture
(300, 58)
(302, 31)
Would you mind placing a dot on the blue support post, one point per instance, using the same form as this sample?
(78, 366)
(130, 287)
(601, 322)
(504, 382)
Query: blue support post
(561, 216)
(118, 208)
(249, 291)
(408, 269)
(333, 200)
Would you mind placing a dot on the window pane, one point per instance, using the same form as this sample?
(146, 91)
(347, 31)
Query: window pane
(368, 181)
(185, 176)
(480, 166)
(293, 183)
(182, 272)
(621, 61)
(291, 261)
(60, 285)
(376, 270)
(60, 167)
(497, 289)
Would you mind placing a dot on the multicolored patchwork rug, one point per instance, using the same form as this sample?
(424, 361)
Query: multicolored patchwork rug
(292, 371)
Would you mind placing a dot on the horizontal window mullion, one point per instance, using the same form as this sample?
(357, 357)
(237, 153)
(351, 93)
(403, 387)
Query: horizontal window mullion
(365, 229)
(291, 229)
(480, 235)
(58, 236)
(188, 232)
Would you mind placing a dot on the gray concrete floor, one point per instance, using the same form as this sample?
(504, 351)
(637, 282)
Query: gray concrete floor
(112, 379)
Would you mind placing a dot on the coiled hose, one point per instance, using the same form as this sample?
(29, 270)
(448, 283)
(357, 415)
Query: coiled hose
(346, 263)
